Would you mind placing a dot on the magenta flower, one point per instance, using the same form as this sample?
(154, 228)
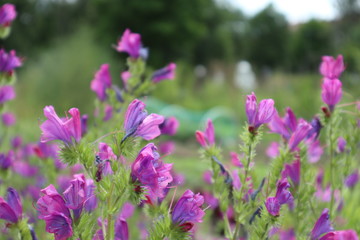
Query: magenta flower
(7, 93)
(314, 149)
(341, 144)
(167, 72)
(235, 160)
(340, 235)
(273, 150)
(258, 114)
(67, 130)
(125, 76)
(316, 128)
(130, 43)
(188, 210)
(322, 225)
(11, 209)
(332, 68)
(206, 138)
(287, 234)
(138, 123)
(51, 202)
(300, 133)
(8, 119)
(331, 92)
(150, 171)
(7, 14)
(169, 126)
(283, 196)
(293, 171)
(284, 126)
(166, 147)
(101, 82)
(9, 61)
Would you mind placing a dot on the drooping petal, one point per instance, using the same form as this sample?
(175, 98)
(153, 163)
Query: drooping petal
(6, 212)
(13, 199)
(60, 225)
(149, 127)
(322, 225)
(167, 72)
(188, 208)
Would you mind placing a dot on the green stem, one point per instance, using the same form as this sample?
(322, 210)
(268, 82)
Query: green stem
(109, 235)
(331, 149)
(237, 225)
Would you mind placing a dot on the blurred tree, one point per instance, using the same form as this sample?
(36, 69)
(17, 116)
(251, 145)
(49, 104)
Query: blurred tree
(192, 30)
(267, 39)
(39, 21)
(309, 42)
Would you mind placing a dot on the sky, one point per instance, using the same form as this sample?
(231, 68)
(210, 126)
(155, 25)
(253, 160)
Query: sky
(295, 10)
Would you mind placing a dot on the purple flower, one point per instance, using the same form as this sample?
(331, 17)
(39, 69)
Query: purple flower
(84, 120)
(283, 196)
(332, 68)
(284, 126)
(314, 150)
(259, 114)
(6, 160)
(24, 168)
(169, 126)
(287, 234)
(11, 209)
(188, 210)
(316, 128)
(150, 171)
(16, 142)
(7, 93)
(75, 194)
(292, 171)
(236, 182)
(206, 138)
(7, 14)
(66, 130)
(273, 206)
(121, 229)
(341, 144)
(103, 163)
(300, 133)
(90, 203)
(101, 82)
(8, 119)
(60, 225)
(322, 225)
(130, 43)
(352, 179)
(9, 61)
(138, 123)
(108, 113)
(273, 150)
(331, 92)
(340, 235)
(167, 72)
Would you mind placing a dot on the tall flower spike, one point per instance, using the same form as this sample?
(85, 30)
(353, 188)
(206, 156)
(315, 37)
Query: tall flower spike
(7, 93)
(167, 72)
(258, 114)
(138, 123)
(101, 82)
(67, 130)
(188, 210)
(332, 68)
(331, 92)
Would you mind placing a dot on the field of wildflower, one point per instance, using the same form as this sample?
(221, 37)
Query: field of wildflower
(111, 175)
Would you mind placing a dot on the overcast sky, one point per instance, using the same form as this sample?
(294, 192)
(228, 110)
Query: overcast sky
(294, 10)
